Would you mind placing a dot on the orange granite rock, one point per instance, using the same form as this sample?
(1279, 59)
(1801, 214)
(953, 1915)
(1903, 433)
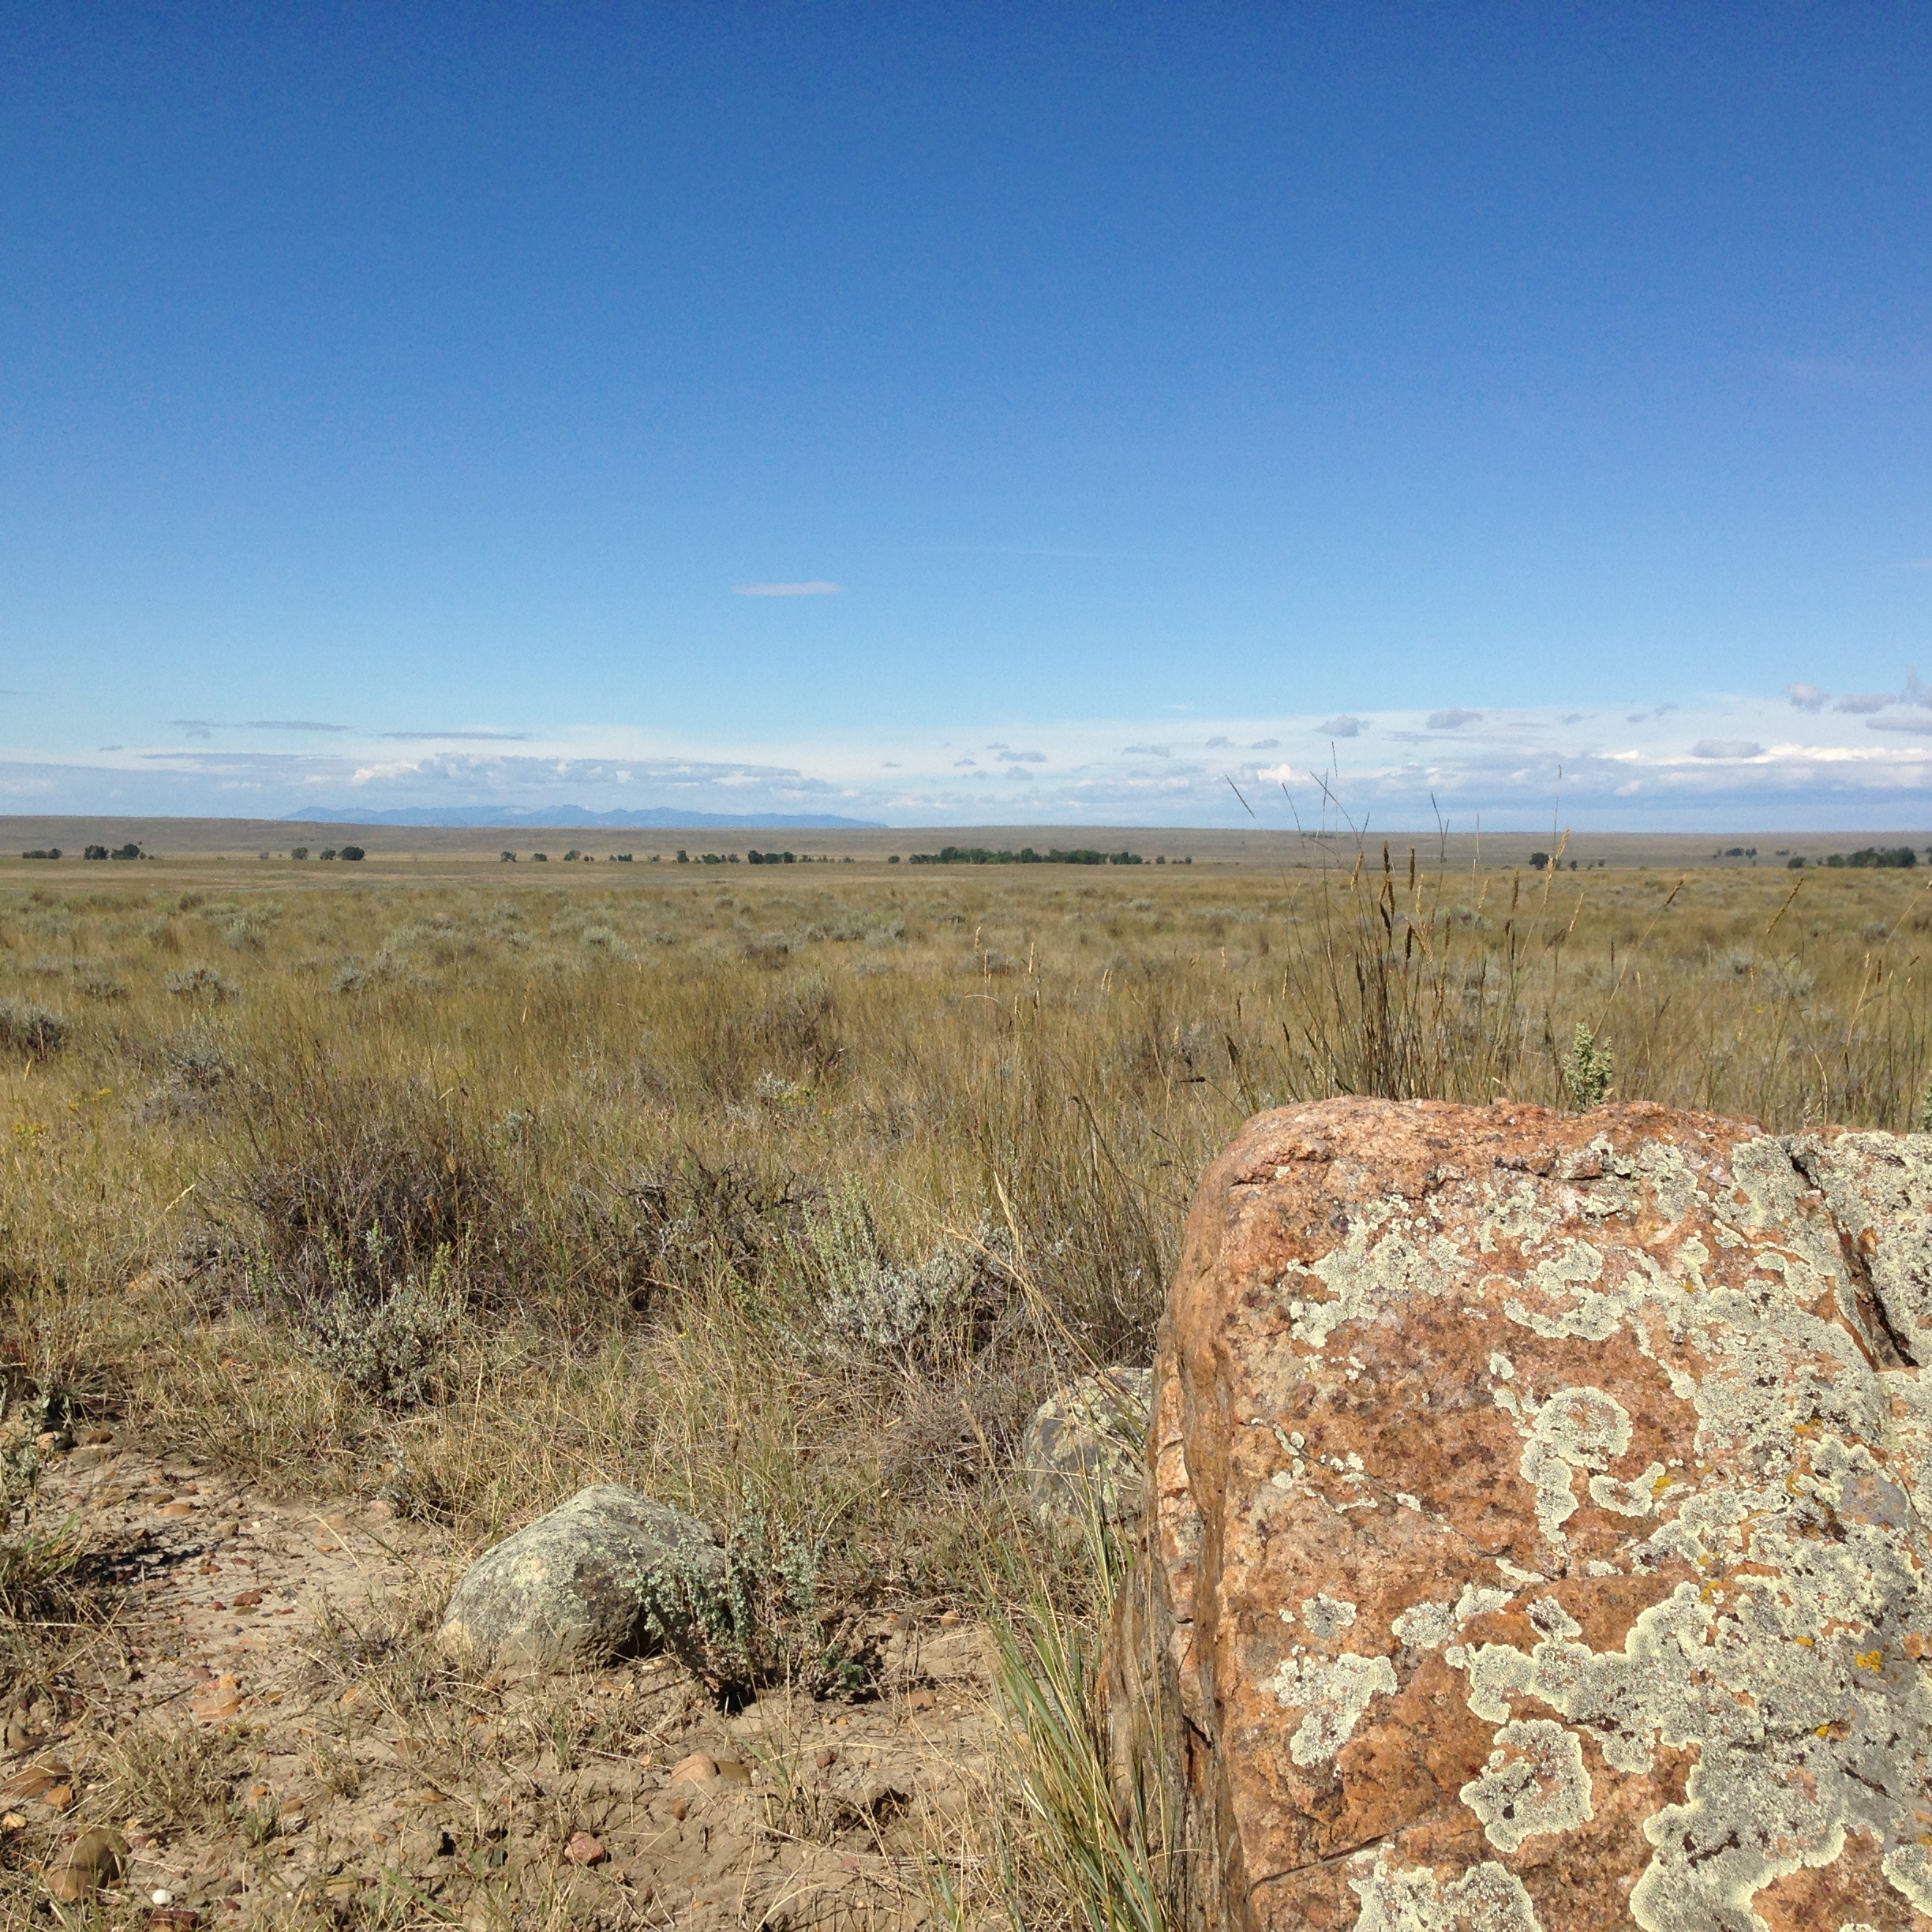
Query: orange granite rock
(1537, 1540)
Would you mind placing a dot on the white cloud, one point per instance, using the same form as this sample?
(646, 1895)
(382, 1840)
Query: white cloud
(1863, 704)
(1727, 748)
(814, 588)
(1806, 697)
(1453, 720)
(1343, 726)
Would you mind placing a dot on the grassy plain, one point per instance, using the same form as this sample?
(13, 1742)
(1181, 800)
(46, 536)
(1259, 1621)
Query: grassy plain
(783, 1193)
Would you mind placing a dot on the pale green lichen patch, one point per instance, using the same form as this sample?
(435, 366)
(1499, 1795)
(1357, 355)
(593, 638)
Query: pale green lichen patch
(1487, 1897)
(1326, 1617)
(1332, 1693)
(1534, 1782)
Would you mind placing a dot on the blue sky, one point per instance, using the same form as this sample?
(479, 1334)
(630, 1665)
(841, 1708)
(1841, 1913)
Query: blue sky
(401, 406)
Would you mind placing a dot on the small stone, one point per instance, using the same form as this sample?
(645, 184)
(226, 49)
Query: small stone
(161, 1896)
(585, 1850)
(949, 1620)
(825, 1759)
(179, 1508)
(216, 1702)
(1082, 1453)
(696, 1769)
(563, 1590)
(94, 1437)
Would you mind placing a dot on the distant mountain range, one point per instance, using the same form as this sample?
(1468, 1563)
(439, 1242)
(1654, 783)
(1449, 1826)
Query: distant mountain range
(509, 816)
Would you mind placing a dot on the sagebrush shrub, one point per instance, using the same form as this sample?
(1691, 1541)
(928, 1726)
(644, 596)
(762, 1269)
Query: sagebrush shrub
(754, 1621)
(869, 1306)
(28, 1028)
(386, 1338)
(202, 982)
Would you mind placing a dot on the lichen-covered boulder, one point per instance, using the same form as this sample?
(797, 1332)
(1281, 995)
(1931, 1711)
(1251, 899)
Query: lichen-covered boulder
(1539, 1528)
(564, 1590)
(1084, 1453)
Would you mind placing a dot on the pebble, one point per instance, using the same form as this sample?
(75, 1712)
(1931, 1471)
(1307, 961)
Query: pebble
(161, 1896)
(585, 1850)
(696, 1769)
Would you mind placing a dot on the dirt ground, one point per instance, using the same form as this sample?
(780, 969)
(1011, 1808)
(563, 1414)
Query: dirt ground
(266, 1724)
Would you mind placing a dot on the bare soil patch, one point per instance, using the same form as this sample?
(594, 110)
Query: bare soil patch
(265, 1721)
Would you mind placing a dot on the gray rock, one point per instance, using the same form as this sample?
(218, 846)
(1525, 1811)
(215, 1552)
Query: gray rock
(564, 1590)
(1083, 1452)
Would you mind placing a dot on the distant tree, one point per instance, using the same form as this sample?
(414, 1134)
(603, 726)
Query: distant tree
(298, 852)
(508, 858)
(683, 857)
(1539, 860)
(541, 858)
(573, 853)
(350, 852)
(94, 851)
(328, 851)
(129, 850)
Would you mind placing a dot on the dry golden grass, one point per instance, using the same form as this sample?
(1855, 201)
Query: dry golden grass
(613, 1109)
(477, 1192)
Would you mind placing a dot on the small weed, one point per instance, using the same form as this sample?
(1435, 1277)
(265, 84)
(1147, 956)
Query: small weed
(755, 1620)
(1587, 1070)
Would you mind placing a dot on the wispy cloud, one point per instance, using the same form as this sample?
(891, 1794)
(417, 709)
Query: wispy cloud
(1807, 696)
(815, 588)
(1863, 704)
(1265, 744)
(488, 737)
(1727, 748)
(1344, 725)
(1923, 725)
(1146, 751)
(1454, 719)
(274, 724)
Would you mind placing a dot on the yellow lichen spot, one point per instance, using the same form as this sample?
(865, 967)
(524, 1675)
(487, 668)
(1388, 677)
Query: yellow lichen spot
(1810, 1643)
(1871, 1660)
(1824, 1730)
(1662, 1483)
